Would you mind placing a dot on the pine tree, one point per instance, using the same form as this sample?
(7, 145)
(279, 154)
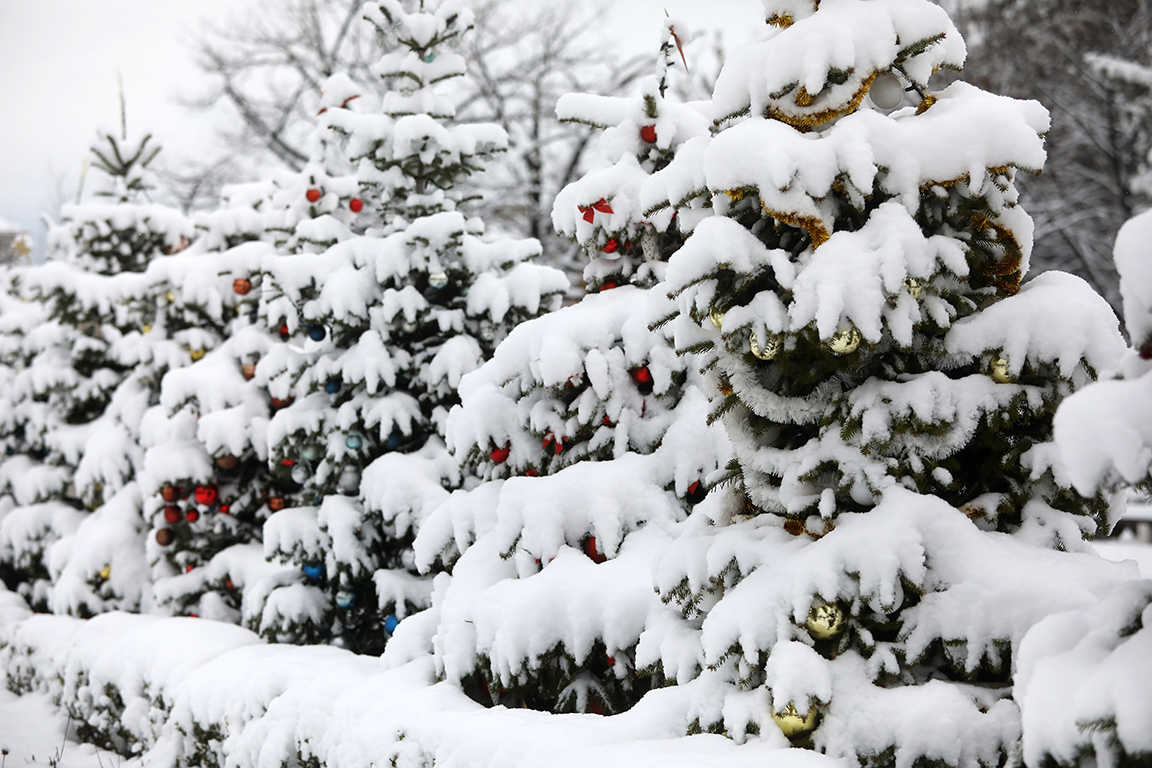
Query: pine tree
(87, 366)
(385, 324)
(888, 384)
(592, 437)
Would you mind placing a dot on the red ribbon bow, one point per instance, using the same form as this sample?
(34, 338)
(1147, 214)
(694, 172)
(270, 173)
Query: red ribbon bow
(589, 211)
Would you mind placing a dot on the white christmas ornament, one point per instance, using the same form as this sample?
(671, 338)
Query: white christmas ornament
(887, 92)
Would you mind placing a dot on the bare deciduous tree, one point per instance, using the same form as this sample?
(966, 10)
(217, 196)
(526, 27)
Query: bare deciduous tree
(1098, 145)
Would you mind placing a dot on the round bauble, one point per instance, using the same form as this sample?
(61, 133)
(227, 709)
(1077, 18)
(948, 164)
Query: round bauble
(317, 332)
(437, 280)
(225, 509)
(312, 195)
(792, 723)
(499, 455)
(196, 354)
(205, 494)
(146, 328)
(717, 318)
(172, 515)
(648, 134)
(592, 550)
(349, 481)
(248, 370)
(300, 474)
(825, 620)
(228, 461)
(611, 246)
(311, 452)
(429, 58)
(607, 285)
(353, 442)
(285, 332)
(845, 342)
(165, 537)
(390, 623)
(192, 516)
(314, 571)
(242, 286)
(999, 372)
(643, 379)
(356, 205)
(276, 503)
(887, 92)
(915, 287)
(171, 297)
(105, 572)
(277, 403)
(345, 600)
(333, 386)
(770, 349)
(169, 493)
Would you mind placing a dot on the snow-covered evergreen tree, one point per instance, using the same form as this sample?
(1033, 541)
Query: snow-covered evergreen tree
(888, 385)
(88, 353)
(383, 325)
(592, 435)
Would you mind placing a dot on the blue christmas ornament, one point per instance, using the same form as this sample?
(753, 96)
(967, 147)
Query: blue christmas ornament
(312, 452)
(316, 332)
(390, 623)
(314, 572)
(345, 599)
(333, 386)
(394, 439)
(354, 442)
(429, 58)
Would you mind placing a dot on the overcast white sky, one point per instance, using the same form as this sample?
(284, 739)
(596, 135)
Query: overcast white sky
(59, 61)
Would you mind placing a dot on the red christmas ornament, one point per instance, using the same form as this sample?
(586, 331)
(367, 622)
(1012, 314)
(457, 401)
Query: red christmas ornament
(643, 378)
(169, 493)
(228, 583)
(164, 537)
(313, 195)
(205, 494)
(277, 403)
(589, 211)
(172, 515)
(192, 516)
(607, 421)
(532, 472)
(225, 509)
(288, 462)
(593, 552)
(242, 286)
(696, 493)
(500, 455)
(356, 205)
(188, 568)
(285, 332)
(248, 370)
(648, 133)
(611, 246)
(276, 503)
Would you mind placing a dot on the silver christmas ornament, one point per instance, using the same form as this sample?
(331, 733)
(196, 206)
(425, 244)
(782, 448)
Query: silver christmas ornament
(887, 92)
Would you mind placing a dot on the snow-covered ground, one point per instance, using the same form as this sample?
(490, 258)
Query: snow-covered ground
(32, 734)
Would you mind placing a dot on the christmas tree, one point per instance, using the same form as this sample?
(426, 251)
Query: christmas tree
(85, 358)
(592, 436)
(888, 384)
(383, 325)
(1084, 675)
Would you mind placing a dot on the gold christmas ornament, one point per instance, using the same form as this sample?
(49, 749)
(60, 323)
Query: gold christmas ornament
(196, 354)
(717, 318)
(825, 620)
(170, 296)
(1000, 373)
(914, 286)
(105, 572)
(770, 349)
(887, 92)
(792, 723)
(147, 328)
(845, 342)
